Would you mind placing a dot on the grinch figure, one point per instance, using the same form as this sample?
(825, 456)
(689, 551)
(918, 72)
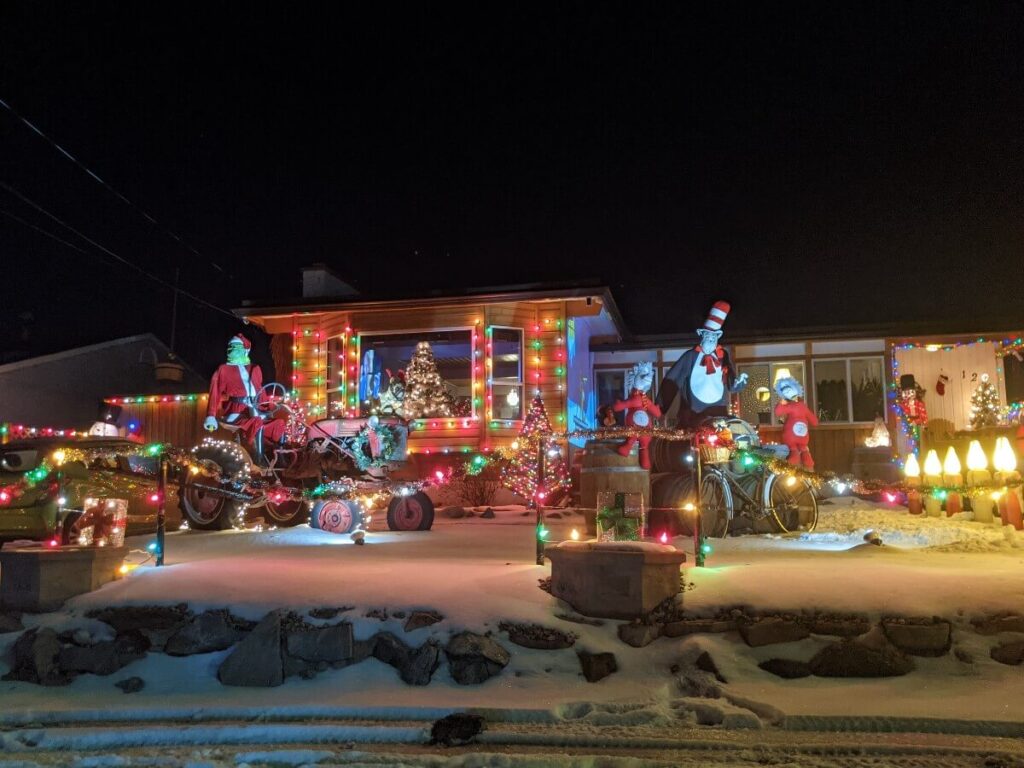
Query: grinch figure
(704, 377)
(797, 418)
(237, 398)
(640, 410)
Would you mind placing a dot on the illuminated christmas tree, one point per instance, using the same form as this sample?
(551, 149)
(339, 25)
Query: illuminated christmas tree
(985, 404)
(425, 395)
(536, 443)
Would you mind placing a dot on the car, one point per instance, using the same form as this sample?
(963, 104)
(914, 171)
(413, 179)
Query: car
(45, 483)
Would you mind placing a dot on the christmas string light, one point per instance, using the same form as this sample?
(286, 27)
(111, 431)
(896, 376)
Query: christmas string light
(158, 399)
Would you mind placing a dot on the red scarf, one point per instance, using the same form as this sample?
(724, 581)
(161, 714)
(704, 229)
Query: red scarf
(712, 362)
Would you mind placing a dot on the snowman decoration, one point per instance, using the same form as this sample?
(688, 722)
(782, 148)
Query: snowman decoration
(640, 410)
(704, 377)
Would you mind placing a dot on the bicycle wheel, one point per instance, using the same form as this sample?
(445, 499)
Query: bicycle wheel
(792, 503)
(716, 506)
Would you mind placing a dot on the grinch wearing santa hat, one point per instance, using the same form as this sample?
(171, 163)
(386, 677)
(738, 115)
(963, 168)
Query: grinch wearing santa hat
(704, 377)
(237, 397)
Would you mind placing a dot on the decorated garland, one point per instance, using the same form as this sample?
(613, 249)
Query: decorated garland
(362, 452)
(621, 433)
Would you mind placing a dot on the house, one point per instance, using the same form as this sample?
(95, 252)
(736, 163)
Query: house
(495, 349)
(75, 388)
(851, 376)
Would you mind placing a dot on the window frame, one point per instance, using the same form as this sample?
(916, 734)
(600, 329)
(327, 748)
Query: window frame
(880, 359)
(522, 372)
(773, 366)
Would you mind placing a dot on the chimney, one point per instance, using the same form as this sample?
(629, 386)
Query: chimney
(320, 282)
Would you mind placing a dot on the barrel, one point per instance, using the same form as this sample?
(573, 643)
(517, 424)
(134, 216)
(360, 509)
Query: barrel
(669, 492)
(874, 464)
(670, 455)
(605, 470)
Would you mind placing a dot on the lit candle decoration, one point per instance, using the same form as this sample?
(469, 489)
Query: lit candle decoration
(1005, 462)
(912, 470)
(978, 474)
(933, 477)
(952, 478)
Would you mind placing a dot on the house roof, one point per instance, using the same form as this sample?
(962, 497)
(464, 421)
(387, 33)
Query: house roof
(490, 294)
(954, 328)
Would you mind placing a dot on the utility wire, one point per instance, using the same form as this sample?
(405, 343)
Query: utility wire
(110, 253)
(109, 188)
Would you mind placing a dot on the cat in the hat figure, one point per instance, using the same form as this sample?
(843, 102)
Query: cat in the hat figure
(704, 377)
(640, 409)
(237, 397)
(797, 419)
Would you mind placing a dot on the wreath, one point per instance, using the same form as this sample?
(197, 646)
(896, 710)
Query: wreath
(361, 447)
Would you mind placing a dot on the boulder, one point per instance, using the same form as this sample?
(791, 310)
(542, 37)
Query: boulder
(455, 729)
(33, 659)
(474, 658)
(789, 669)
(639, 635)
(10, 622)
(993, 625)
(455, 513)
(415, 665)
(205, 633)
(105, 657)
(705, 663)
(131, 684)
(1009, 653)
(256, 660)
(596, 666)
(537, 637)
(420, 619)
(693, 626)
(855, 658)
(329, 644)
(156, 622)
(487, 514)
(328, 613)
(771, 630)
(919, 639)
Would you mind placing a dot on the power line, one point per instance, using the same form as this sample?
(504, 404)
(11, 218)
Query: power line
(107, 186)
(126, 262)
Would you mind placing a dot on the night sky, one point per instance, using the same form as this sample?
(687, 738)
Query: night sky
(813, 164)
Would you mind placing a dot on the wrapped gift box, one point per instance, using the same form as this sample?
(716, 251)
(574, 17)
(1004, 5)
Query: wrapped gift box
(620, 516)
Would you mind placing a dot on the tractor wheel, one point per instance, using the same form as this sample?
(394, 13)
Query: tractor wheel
(207, 510)
(411, 513)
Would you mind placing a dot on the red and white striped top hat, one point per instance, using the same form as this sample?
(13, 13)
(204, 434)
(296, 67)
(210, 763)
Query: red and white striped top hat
(717, 315)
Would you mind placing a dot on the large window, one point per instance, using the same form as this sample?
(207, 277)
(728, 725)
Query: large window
(385, 357)
(507, 373)
(758, 398)
(849, 390)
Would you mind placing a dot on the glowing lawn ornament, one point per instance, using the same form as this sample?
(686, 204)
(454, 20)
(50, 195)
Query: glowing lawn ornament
(978, 474)
(933, 477)
(1005, 462)
(913, 472)
(952, 478)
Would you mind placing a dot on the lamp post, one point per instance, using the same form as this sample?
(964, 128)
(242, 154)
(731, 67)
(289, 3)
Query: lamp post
(161, 518)
(538, 497)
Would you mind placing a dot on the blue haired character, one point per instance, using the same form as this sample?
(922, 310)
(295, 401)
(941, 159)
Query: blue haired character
(798, 418)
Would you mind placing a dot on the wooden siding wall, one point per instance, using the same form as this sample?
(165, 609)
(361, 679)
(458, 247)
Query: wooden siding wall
(544, 362)
(832, 447)
(177, 423)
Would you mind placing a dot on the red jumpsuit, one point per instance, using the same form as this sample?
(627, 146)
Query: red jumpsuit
(226, 387)
(796, 434)
(639, 409)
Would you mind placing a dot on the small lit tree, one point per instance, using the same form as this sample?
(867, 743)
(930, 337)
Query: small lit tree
(985, 404)
(425, 395)
(536, 443)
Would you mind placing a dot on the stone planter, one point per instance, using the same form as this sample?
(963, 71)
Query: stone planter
(614, 580)
(36, 579)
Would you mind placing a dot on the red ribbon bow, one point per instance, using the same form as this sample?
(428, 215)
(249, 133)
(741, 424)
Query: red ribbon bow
(712, 362)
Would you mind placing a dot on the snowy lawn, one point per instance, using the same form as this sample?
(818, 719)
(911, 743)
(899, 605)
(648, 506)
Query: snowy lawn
(478, 572)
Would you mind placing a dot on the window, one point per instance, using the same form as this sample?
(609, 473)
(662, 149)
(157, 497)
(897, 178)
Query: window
(385, 357)
(758, 398)
(611, 386)
(507, 374)
(849, 390)
(336, 395)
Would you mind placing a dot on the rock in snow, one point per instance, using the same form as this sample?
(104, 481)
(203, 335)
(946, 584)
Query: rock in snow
(328, 644)
(415, 665)
(420, 619)
(131, 684)
(771, 630)
(256, 660)
(33, 659)
(855, 658)
(207, 632)
(475, 658)
(106, 657)
(537, 637)
(10, 622)
(639, 635)
(787, 668)
(596, 666)
(1009, 653)
(919, 639)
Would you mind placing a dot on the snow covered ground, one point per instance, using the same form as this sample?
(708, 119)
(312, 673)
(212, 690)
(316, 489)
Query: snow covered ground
(478, 572)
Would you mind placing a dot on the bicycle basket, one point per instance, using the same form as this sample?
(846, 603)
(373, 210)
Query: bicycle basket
(714, 454)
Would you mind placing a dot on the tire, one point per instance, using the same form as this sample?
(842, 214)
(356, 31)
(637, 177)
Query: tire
(336, 516)
(68, 533)
(793, 506)
(206, 511)
(287, 514)
(716, 505)
(411, 513)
